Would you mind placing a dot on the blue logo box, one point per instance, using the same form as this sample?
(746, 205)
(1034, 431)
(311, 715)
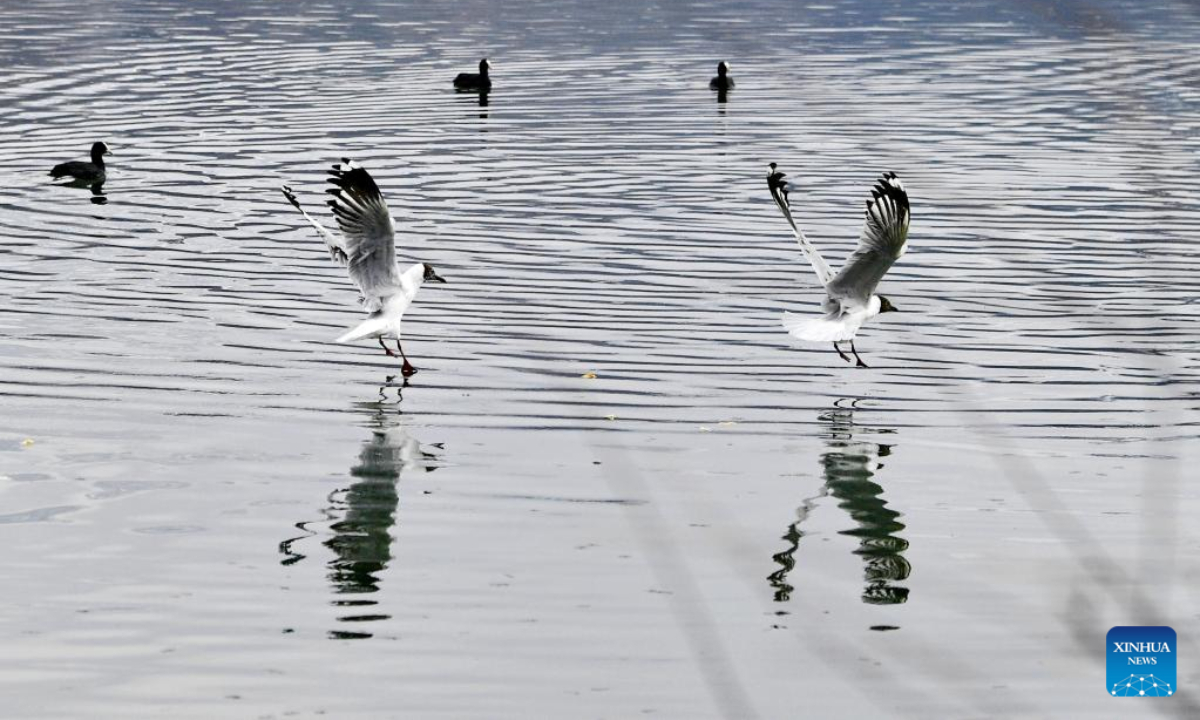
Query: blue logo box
(1141, 661)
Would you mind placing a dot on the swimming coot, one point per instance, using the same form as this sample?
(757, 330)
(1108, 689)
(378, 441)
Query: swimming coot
(722, 81)
(88, 172)
(475, 81)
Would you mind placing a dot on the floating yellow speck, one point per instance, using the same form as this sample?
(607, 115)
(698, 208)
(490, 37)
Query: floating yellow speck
(610, 417)
(27, 442)
(705, 429)
(588, 376)
(727, 423)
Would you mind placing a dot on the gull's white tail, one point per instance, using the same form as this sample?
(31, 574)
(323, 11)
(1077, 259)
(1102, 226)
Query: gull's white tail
(386, 320)
(371, 327)
(819, 329)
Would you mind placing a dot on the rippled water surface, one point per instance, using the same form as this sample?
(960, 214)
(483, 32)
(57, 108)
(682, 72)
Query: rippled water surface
(209, 509)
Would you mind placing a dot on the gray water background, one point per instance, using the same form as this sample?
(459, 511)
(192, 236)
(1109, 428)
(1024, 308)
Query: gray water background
(208, 509)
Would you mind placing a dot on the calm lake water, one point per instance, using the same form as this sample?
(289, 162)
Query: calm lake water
(209, 509)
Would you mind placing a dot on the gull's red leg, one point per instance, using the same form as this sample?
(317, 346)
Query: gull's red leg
(407, 370)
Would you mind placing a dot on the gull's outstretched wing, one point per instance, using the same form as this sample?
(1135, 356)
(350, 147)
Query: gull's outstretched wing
(780, 187)
(882, 242)
(336, 248)
(369, 236)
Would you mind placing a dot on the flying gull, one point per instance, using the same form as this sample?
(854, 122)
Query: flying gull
(367, 249)
(851, 297)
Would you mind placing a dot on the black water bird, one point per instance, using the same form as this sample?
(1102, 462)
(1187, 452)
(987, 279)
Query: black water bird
(475, 81)
(722, 81)
(89, 173)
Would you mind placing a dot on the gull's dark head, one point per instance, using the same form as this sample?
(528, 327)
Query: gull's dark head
(886, 305)
(722, 68)
(484, 66)
(431, 275)
(99, 149)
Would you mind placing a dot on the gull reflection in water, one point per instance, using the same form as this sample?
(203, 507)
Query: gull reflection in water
(849, 464)
(358, 519)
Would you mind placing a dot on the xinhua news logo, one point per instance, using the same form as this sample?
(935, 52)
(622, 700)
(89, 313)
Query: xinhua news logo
(1141, 661)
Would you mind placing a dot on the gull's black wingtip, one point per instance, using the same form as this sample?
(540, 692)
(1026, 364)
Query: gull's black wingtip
(291, 196)
(776, 178)
(352, 179)
(888, 180)
(341, 168)
(889, 186)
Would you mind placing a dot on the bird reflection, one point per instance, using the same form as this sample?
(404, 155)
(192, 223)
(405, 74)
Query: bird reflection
(787, 559)
(849, 464)
(97, 188)
(481, 97)
(360, 517)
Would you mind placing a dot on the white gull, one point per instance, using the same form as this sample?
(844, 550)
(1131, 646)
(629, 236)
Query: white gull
(851, 298)
(367, 249)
